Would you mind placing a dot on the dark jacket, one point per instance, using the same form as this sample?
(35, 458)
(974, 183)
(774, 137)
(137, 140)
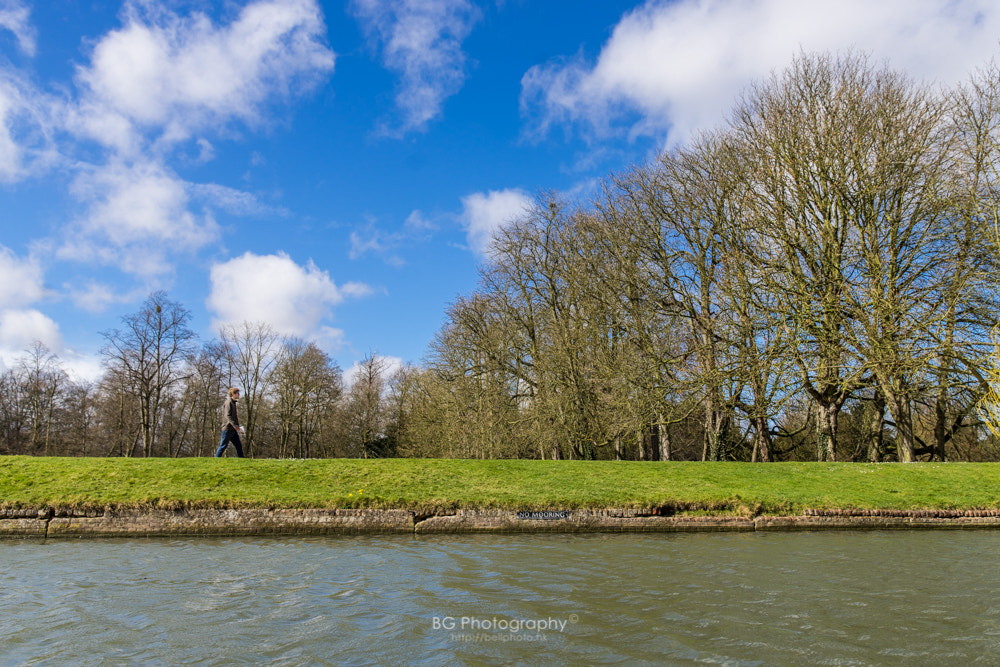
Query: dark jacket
(230, 420)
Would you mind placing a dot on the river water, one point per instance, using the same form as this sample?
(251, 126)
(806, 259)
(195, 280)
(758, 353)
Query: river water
(825, 598)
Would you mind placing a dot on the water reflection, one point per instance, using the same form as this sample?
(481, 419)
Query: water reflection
(737, 599)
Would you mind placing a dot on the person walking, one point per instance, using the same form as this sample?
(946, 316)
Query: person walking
(231, 428)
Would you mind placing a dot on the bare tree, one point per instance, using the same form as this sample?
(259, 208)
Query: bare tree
(307, 386)
(366, 407)
(251, 350)
(81, 422)
(966, 363)
(42, 379)
(797, 134)
(13, 413)
(681, 211)
(149, 352)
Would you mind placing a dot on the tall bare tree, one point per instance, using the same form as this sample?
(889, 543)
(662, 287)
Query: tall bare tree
(307, 385)
(150, 352)
(42, 378)
(366, 407)
(797, 132)
(251, 350)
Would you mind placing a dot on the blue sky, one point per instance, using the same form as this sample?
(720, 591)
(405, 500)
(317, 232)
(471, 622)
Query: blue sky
(336, 168)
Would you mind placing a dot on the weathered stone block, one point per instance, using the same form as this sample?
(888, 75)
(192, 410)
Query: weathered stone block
(22, 528)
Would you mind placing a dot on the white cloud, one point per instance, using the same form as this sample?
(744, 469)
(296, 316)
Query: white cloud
(21, 280)
(164, 80)
(138, 202)
(388, 365)
(206, 151)
(178, 74)
(95, 297)
(679, 66)
(20, 328)
(421, 41)
(21, 107)
(355, 290)
(14, 16)
(10, 149)
(28, 118)
(231, 200)
(21, 285)
(417, 221)
(368, 238)
(483, 214)
(137, 216)
(293, 299)
(89, 368)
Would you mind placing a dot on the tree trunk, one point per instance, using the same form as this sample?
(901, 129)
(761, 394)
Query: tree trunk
(826, 431)
(941, 430)
(762, 441)
(712, 430)
(899, 407)
(876, 442)
(664, 431)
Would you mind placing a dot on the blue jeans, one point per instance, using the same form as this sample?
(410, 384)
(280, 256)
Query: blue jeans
(233, 436)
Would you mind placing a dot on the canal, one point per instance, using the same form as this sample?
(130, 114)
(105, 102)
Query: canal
(837, 598)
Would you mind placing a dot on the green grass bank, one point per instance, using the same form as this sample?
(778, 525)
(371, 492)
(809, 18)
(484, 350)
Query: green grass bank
(435, 485)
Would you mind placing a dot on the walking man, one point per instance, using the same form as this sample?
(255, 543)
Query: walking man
(231, 428)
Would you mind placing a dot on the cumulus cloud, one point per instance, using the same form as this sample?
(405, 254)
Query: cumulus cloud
(421, 40)
(293, 299)
(483, 214)
(176, 74)
(21, 280)
(96, 297)
(137, 215)
(21, 328)
(163, 80)
(678, 66)
(387, 364)
(151, 94)
(138, 202)
(21, 285)
(82, 367)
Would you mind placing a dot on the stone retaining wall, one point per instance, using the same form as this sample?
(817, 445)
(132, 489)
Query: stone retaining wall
(149, 523)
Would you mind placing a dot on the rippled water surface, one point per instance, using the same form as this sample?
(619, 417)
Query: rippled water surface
(857, 598)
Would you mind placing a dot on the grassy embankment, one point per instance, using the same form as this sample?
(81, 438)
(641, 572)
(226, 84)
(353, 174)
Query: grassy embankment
(429, 484)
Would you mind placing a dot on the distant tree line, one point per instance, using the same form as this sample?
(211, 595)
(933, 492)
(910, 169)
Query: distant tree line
(161, 395)
(814, 280)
